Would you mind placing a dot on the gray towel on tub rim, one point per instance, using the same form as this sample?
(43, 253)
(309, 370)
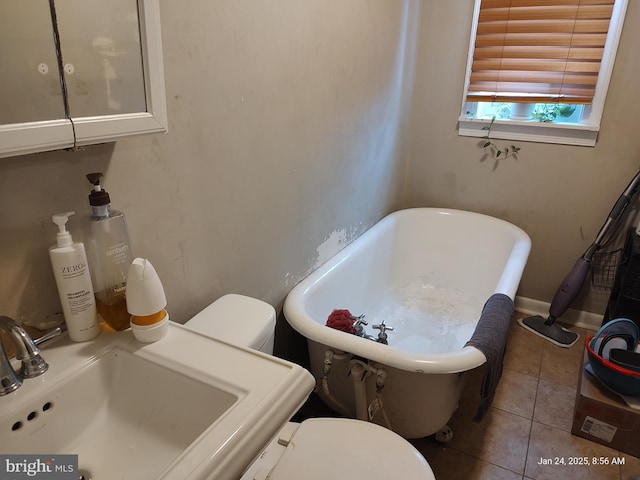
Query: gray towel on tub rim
(490, 337)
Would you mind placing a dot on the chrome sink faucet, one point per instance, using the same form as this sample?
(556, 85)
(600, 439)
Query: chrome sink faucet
(32, 363)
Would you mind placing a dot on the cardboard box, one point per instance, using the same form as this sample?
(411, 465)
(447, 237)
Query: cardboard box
(602, 416)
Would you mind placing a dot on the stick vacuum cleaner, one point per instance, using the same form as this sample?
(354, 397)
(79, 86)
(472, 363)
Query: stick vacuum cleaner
(573, 282)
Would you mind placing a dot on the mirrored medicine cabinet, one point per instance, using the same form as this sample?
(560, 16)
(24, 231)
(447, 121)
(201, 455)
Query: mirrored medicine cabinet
(78, 72)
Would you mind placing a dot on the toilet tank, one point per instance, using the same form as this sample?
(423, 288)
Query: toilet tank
(238, 320)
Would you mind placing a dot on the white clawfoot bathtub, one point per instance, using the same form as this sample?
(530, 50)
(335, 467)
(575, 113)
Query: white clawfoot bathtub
(427, 273)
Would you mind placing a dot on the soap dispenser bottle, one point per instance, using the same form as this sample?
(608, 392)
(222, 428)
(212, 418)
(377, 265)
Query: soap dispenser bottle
(71, 271)
(111, 254)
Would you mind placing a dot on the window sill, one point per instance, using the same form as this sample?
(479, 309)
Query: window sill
(530, 131)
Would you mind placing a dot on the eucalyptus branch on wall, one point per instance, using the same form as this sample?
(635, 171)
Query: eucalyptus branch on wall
(497, 151)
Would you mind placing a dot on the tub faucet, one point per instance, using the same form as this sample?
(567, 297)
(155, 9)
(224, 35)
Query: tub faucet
(382, 336)
(32, 363)
(357, 324)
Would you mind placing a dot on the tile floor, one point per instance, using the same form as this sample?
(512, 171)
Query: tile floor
(530, 419)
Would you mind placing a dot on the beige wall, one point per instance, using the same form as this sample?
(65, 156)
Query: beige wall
(289, 135)
(559, 195)
(284, 143)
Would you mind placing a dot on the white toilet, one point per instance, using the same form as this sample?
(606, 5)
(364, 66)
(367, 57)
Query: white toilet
(318, 448)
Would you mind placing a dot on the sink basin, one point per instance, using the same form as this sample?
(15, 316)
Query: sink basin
(185, 407)
(117, 410)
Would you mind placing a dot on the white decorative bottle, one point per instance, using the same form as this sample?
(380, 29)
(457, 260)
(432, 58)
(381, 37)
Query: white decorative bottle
(146, 301)
(71, 271)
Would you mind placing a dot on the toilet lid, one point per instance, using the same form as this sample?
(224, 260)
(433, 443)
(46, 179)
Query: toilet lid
(333, 448)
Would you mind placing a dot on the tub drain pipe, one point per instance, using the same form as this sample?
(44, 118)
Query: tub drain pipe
(323, 382)
(377, 405)
(359, 371)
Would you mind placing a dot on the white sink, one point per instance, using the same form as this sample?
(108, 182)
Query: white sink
(119, 407)
(186, 407)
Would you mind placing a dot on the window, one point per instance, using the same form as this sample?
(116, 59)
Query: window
(540, 68)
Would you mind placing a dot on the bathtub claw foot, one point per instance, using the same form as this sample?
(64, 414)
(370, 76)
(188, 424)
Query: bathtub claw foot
(445, 434)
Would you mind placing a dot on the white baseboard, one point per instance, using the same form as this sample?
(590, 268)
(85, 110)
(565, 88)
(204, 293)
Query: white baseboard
(578, 318)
